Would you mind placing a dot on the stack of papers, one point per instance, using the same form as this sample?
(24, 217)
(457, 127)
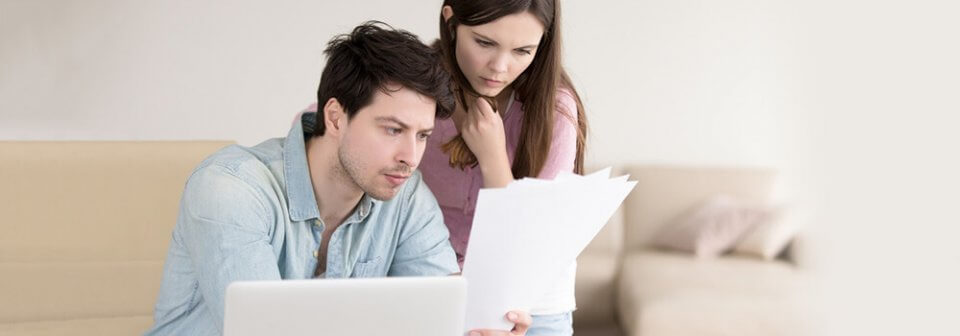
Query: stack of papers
(526, 235)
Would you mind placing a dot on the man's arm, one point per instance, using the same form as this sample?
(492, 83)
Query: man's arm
(225, 227)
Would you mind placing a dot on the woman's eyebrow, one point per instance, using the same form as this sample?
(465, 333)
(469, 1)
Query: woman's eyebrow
(496, 43)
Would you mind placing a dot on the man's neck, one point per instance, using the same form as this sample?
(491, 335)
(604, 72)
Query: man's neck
(336, 195)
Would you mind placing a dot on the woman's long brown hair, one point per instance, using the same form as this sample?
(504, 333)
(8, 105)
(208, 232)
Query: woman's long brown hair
(536, 87)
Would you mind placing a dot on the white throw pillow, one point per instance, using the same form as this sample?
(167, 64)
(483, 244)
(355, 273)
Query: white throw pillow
(769, 237)
(713, 227)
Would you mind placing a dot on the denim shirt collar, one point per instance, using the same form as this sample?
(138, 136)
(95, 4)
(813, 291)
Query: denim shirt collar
(301, 200)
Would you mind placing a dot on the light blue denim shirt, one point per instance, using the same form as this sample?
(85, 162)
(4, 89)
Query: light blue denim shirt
(251, 214)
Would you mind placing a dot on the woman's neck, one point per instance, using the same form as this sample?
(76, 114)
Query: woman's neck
(503, 100)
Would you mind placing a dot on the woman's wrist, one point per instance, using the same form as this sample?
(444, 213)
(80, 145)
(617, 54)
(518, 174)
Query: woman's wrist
(496, 171)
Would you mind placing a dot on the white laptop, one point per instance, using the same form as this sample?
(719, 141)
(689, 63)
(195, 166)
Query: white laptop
(382, 306)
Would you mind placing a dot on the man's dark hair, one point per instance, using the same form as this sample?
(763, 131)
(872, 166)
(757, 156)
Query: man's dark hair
(372, 56)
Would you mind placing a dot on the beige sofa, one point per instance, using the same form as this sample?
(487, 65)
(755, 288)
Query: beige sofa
(84, 232)
(85, 228)
(627, 287)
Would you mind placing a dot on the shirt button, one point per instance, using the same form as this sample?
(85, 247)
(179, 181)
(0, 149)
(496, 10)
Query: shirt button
(316, 254)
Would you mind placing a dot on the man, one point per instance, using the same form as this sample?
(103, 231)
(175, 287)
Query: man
(338, 197)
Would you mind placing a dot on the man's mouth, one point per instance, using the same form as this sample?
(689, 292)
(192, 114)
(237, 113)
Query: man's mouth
(396, 179)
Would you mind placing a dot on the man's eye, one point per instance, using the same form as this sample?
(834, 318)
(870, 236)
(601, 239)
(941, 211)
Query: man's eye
(393, 130)
(424, 136)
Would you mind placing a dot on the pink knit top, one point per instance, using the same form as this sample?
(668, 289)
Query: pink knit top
(456, 190)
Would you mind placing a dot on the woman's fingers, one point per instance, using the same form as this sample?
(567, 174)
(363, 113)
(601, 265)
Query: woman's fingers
(483, 106)
(522, 321)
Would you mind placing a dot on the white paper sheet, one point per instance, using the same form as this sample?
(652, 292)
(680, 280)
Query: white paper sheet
(525, 235)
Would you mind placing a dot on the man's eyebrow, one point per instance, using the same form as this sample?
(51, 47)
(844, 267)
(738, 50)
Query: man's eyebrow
(531, 46)
(398, 122)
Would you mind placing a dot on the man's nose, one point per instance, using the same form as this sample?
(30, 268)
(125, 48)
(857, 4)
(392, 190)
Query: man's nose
(407, 152)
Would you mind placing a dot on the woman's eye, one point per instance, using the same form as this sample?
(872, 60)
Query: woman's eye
(523, 52)
(484, 43)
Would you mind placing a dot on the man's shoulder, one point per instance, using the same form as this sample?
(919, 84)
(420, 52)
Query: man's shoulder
(250, 164)
(235, 182)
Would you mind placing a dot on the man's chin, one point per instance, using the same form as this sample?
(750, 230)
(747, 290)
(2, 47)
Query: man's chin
(383, 194)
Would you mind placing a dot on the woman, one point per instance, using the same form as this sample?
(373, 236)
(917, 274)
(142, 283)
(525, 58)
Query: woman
(518, 116)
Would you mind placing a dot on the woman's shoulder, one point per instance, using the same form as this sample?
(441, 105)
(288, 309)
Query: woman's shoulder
(566, 103)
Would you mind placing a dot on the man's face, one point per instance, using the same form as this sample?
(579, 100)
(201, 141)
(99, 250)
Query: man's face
(384, 141)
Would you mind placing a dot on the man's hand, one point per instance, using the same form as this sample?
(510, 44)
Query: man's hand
(521, 320)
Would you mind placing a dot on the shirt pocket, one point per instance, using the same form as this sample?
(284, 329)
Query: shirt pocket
(370, 268)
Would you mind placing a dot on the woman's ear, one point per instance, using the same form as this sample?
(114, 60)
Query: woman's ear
(333, 116)
(447, 13)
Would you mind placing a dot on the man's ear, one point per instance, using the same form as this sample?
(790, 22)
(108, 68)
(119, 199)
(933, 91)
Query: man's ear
(334, 116)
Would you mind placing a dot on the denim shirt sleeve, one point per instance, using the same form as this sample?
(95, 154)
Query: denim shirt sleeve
(424, 247)
(226, 228)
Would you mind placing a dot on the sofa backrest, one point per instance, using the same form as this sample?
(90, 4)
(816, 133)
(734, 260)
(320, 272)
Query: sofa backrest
(85, 226)
(598, 269)
(609, 241)
(663, 193)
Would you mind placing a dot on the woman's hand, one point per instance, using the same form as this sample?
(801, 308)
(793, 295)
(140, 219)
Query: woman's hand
(521, 320)
(483, 132)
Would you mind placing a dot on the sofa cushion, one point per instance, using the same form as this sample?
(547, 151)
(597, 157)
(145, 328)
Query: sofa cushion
(663, 194)
(68, 290)
(769, 238)
(659, 277)
(595, 289)
(713, 227)
(124, 325)
(656, 273)
(700, 313)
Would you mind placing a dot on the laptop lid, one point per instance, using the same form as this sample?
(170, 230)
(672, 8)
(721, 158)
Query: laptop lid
(381, 306)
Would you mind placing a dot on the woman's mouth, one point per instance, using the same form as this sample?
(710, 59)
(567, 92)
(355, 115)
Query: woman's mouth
(491, 83)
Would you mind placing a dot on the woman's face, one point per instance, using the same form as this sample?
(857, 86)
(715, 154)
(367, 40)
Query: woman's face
(494, 54)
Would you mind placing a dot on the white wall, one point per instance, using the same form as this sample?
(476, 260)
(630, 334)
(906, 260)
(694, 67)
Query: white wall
(878, 80)
(855, 101)
(179, 69)
(694, 84)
